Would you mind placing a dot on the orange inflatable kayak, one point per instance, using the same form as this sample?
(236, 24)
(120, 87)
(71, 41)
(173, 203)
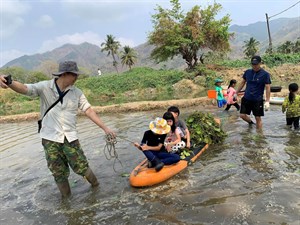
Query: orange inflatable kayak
(142, 176)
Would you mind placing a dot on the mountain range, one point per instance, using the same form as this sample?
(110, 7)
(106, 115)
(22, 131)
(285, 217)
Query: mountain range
(90, 57)
(282, 30)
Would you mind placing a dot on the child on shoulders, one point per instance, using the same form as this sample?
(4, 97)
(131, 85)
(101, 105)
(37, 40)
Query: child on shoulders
(291, 105)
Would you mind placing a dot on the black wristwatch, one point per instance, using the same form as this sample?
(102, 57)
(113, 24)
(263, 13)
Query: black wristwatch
(8, 79)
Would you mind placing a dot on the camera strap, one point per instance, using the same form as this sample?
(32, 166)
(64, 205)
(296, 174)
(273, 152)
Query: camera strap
(59, 99)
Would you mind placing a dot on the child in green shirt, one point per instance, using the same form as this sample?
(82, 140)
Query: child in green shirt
(220, 97)
(291, 105)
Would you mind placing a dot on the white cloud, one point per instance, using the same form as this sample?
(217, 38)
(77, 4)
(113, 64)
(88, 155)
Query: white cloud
(14, 7)
(7, 56)
(125, 41)
(76, 38)
(45, 21)
(79, 38)
(11, 17)
(14, 24)
(104, 11)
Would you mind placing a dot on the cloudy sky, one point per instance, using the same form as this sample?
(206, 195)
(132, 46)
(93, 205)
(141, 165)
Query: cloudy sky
(36, 26)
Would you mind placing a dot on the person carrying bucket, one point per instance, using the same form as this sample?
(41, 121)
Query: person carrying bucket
(220, 97)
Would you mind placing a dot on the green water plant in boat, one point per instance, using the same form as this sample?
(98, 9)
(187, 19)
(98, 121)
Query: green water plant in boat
(204, 128)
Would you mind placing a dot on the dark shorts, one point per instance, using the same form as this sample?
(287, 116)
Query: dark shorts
(293, 121)
(60, 156)
(256, 107)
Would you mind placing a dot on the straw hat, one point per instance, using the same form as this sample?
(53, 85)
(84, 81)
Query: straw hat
(159, 126)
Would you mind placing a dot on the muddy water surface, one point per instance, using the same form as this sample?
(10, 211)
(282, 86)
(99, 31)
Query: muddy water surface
(252, 178)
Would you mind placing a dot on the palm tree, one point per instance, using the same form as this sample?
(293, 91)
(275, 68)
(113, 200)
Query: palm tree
(251, 47)
(111, 46)
(128, 56)
(286, 48)
(297, 46)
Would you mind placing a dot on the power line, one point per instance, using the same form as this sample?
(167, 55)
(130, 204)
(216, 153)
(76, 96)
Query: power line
(285, 10)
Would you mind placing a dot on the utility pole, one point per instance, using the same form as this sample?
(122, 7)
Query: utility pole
(270, 40)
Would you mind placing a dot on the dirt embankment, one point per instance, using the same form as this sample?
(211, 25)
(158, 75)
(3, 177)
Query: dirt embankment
(126, 107)
(136, 107)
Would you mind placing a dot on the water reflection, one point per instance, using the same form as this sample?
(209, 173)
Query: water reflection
(252, 178)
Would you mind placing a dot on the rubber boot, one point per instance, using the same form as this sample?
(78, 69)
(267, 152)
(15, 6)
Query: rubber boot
(157, 164)
(64, 189)
(91, 178)
(150, 165)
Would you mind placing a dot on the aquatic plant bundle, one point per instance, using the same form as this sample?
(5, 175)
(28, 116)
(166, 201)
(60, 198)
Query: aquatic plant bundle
(204, 128)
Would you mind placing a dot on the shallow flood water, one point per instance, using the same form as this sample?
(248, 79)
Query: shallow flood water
(252, 178)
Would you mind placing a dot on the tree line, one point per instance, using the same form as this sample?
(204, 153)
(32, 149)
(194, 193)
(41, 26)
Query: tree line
(251, 48)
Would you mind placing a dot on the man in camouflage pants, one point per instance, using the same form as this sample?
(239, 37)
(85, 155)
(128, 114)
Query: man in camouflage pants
(58, 132)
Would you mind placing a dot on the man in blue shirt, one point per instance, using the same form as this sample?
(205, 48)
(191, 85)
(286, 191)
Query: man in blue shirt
(256, 80)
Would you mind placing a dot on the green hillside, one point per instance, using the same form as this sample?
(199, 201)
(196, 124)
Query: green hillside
(148, 84)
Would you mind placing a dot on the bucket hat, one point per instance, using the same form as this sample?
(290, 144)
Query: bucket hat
(218, 80)
(67, 67)
(159, 126)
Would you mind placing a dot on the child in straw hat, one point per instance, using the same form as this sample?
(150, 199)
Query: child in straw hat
(152, 145)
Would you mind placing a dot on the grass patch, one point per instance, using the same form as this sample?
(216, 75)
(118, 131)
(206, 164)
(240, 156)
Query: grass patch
(139, 84)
